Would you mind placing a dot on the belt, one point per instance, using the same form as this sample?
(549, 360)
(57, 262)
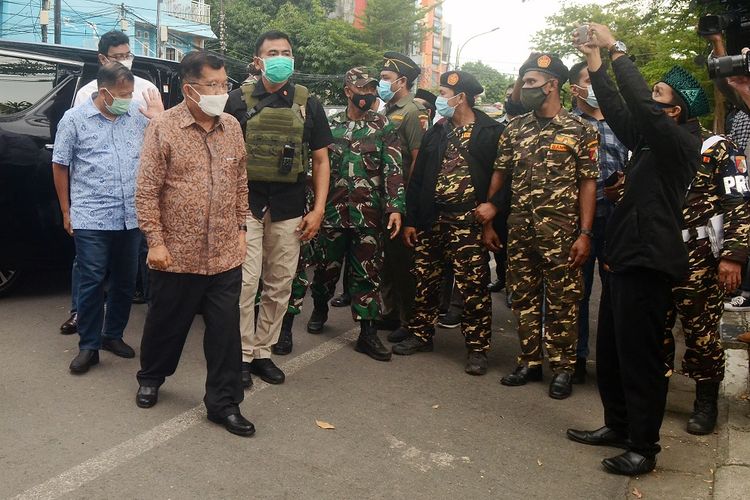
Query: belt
(694, 233)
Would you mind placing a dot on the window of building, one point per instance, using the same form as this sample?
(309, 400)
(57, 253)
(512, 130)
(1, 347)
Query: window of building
(171, 53)
(435, 58)
(23, 83)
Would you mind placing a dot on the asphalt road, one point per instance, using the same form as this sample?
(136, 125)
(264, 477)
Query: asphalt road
(417, 427)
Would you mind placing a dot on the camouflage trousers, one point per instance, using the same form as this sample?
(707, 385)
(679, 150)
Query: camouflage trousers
(538, 270)
(363, 250)
(699, 303)
(458, 247)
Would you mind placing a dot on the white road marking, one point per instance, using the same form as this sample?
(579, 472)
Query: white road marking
(74, 478)
(422, 460)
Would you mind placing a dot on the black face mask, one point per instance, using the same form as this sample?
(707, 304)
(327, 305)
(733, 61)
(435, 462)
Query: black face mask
(363, 101)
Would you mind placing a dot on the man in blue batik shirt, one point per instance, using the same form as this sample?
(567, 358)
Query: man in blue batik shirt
(94, 164)
(612, 158)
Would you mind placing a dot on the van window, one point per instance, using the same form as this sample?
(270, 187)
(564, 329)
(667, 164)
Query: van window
(23, 83)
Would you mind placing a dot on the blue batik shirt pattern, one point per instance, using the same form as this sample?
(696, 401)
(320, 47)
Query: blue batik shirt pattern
(613, 156)
(103, 157)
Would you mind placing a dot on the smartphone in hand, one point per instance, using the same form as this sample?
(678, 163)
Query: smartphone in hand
(583, 34)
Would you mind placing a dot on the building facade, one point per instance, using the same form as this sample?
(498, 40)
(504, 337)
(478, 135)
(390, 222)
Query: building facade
(185, 24)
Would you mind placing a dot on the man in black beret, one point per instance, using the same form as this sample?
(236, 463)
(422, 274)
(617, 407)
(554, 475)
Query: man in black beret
(410, 118)
(449, 185)
(551, 156)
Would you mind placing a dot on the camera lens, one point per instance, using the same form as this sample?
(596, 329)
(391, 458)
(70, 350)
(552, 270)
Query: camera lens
(722, 67)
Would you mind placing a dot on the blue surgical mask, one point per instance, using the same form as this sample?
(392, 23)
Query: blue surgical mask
(385, 90)
(591, 99)
(443, 108)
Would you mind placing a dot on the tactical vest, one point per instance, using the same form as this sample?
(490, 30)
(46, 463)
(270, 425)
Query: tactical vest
(266, 134)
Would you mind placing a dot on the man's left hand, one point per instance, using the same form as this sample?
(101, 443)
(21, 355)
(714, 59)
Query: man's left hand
(579, 252)
(730, 274)
(310, 225)
(485, 212)
(394, 224)
(243, 241)
(601, 36)
(154, 105)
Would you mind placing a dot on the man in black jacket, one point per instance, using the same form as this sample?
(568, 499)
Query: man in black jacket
(449, 184)
(644, 249)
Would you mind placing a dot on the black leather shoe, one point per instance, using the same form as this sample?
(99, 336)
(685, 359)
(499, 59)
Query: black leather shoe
(86, 359)
(579, 372)
(138, 297)
(398, 334)
(267, 371)
(523, 374)
(412, 344)
(317, 319)
(147, 396)
(118, 347)
(70, 326)
(561, 386)
(247, 379)
(369, 343)
(235, 423)
(629, 463)
(450, 320)
(476, 363)
(284, 345)
(603, 436)
(387, 324)
(496, 286)
(342, 300)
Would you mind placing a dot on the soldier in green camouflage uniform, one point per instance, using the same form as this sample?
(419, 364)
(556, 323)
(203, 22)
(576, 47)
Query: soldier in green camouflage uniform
(366, 183)
(451, 178)
(719, 187)
(551, 155)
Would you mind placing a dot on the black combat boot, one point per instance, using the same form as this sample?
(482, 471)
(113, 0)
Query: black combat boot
(318, 318)
(284, 345)
(705, 408)
(369, 342)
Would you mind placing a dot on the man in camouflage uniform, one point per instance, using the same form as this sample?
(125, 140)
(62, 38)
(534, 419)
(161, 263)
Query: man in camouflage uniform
(410, 118)
(719, 187)
(450, 179)
(552, 157)
(366, 187)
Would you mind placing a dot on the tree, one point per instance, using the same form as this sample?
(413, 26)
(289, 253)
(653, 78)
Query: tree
(492, 80)
(393, 24)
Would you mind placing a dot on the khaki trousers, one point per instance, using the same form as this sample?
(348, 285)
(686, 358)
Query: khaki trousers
(272, 254)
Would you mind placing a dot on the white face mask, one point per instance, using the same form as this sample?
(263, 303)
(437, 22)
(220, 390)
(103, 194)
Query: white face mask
(128, 63)
(212, 105)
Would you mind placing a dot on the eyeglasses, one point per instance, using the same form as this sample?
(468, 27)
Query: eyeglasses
(226, 87)
(121, 57)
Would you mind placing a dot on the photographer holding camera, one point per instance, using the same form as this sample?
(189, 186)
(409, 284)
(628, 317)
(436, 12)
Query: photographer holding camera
(645, 252)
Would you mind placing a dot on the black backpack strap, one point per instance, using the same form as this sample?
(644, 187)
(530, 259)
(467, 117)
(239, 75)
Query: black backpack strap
(262, 104)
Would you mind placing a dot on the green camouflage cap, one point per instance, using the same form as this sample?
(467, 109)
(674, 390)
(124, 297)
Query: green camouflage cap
(359, 77)
(688, 88)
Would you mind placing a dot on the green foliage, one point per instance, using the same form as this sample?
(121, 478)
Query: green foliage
(393, 24)
(493, 81)
(659, 33)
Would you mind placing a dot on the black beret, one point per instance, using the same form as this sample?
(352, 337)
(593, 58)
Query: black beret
(461, 81)
(428, 96)
(546, 63)
(401, 64)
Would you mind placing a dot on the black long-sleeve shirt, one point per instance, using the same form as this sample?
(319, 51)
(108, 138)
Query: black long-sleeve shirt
(645, 229)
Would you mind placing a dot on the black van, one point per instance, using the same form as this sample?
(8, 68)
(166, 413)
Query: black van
(38, 83)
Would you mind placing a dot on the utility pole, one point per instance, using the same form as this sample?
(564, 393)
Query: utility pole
(44, 19)
(222, 28)
(123, 20)
(58, 21)
(158, 29)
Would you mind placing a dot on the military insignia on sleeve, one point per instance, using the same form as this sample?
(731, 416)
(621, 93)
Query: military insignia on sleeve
(594, 154)
(558, 147)
(424, 121)
(453, 78)
(544, 61)
(740, 164)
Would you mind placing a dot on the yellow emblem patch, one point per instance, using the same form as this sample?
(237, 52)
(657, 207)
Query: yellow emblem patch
(544, 61)
(558, 147)
(569, 141)
(453, 79)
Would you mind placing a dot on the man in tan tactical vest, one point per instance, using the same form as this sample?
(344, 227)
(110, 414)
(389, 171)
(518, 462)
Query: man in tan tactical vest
(284, 128)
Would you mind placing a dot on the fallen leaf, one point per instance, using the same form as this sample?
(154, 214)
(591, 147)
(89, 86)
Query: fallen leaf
(637, 493)
(324, 425)
(538, 462)
(435, 407)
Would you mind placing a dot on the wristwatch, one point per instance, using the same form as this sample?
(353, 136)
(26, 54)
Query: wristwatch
(588, 232)
(618, 46)
(243, 227)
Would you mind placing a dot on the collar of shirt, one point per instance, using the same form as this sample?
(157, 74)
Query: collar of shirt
(186, 118)
(401, 102)
(92, 110)
(286, 92)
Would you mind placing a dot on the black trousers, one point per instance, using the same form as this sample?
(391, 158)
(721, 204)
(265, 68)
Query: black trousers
(630, 364)
(175, 300)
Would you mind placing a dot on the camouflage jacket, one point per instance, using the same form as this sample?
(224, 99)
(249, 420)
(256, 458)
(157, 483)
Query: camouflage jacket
(721, 187)
(546, 166)
(366, 178)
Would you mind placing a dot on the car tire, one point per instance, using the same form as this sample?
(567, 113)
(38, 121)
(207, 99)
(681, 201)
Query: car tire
(9, 278)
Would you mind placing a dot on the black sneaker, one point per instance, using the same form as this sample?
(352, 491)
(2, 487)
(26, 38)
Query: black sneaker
(398, 335)
(476, 363)
(450, 320)
(497, 286)
(411, 345)
(738, 304)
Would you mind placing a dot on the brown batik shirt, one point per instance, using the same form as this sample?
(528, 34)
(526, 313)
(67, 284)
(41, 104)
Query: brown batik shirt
(191, 194)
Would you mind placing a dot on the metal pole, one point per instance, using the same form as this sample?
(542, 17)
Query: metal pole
(45, 23)
(222, 28)
(158, 29)
(458, 53)
(58, 21)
